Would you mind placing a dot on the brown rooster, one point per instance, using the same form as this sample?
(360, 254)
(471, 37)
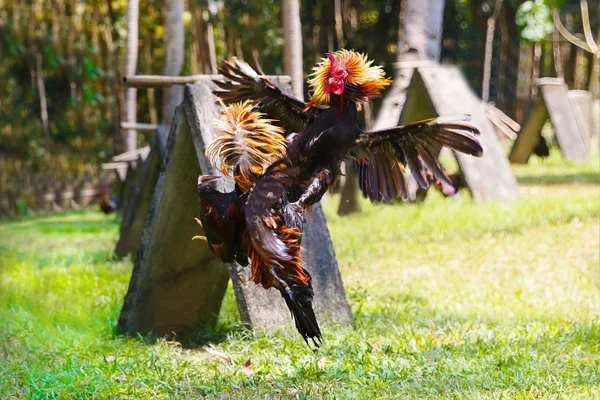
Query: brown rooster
(107, 204)
(246, 151)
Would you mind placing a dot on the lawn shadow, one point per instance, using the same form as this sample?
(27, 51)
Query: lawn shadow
(201, 336)
(228, 324)
(567, 179)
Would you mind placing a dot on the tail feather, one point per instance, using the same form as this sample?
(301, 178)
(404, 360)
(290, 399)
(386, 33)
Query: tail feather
(294, 283)
(298, 299)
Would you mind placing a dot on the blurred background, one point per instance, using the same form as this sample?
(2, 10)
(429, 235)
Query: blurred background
(62, 101)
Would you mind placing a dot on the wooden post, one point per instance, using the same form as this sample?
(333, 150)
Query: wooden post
(443, 90)
(530, 133)
(581, 103)
(553, 103)
(177, 283)
(136, 209)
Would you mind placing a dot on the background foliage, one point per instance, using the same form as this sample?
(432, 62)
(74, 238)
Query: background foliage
(80, 45)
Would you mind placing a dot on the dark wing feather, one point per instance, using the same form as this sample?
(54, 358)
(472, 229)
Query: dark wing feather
(275, 233)
(382, 155)
(244, 83)
(264, 211)
(219, 228)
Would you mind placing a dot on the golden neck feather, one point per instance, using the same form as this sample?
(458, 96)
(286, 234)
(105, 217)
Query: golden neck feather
(364, 81)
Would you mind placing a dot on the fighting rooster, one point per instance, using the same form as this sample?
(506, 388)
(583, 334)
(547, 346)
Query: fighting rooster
(326, 129)
(269, 207)
(256, 215)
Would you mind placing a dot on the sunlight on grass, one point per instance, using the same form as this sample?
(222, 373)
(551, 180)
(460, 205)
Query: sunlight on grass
(450, 298)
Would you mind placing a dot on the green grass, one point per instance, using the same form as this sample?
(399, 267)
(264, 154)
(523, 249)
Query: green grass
(451, 299)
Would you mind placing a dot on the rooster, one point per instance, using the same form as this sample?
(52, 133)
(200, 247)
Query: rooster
(326, 131)
(256, 215)
(107, 204)
(264, 214)
(541, 149)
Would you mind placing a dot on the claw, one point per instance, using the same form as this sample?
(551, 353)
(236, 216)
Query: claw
(198, 222)
(198, 237)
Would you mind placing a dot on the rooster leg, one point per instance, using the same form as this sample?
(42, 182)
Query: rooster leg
(317, 187)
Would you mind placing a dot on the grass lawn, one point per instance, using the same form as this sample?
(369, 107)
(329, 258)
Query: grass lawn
(451, 299)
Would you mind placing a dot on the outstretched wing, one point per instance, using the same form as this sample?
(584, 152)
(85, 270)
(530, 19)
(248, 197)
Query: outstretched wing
(382, 156)
(244, 83)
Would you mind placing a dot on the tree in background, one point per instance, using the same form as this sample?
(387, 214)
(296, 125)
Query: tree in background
(77, 50)
(131, 57)
(175, 48)
(292, 54)
(419, 40)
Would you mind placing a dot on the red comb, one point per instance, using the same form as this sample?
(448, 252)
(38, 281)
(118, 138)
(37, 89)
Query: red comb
(332, 59)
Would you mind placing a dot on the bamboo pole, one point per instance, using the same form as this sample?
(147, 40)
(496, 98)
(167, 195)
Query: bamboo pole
(161, 81)
(139, 126)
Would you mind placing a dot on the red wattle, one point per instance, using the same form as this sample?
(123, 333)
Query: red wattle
(337, 87)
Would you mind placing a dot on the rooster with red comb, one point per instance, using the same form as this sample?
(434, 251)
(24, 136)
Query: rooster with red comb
(264, 214)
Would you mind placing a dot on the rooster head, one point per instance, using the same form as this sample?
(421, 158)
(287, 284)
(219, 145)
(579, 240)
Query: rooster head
(348, 76)
(337, 76)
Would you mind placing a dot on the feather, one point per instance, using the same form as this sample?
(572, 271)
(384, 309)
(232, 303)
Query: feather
(414, 163)
(248, 144)
(242, 83)
(364, 81)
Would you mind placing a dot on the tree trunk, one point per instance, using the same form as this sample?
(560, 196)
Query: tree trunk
(175, 42)
(419, 39)
(593, 79)
(489, 51)
(2, 68)
(292, 49)
(557, 53)
(339, 24)
(502, 82)
(130, 69)
(212, 52)
(200, 63)
(535, 74)
(113, 69)
(350, 196)
(41, 87)
(512, 57)
(151, 98)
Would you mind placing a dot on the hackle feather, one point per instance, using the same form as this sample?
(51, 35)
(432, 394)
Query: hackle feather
(248, 144)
